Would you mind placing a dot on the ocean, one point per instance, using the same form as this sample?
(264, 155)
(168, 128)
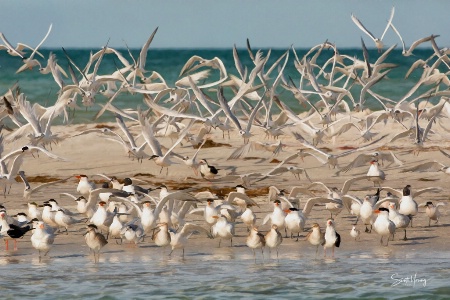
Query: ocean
(169, 62)
(228, 273)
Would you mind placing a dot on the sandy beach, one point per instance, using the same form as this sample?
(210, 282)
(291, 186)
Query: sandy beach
(92, 154)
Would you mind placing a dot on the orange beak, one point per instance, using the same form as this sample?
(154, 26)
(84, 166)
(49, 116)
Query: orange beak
(377, 211)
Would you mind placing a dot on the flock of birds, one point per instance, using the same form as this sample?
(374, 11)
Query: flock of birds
(197, 105)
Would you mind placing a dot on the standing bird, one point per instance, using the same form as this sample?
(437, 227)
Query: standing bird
(273, 238)
(161, 235)
(277, 217)
(295, 221)
(17, 232)
(84, 185)
(432, 211)
(223, 229)
(65, 220)
(316, 237)
(376, 175)
(133, 233)
(256, 240)
(383, 226)
(332, 238)
(408, 206)
(400, 220)
(354, 233)
(42, 240)
(95, 241)
(249, 218)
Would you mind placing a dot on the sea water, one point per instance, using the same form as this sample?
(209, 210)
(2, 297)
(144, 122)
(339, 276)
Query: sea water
(168, 63)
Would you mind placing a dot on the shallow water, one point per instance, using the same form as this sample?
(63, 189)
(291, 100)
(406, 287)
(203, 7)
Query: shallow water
(226, 272)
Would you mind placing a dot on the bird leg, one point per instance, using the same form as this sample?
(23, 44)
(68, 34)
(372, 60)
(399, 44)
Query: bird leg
(15, 245)
(6, 244)
(405, 238)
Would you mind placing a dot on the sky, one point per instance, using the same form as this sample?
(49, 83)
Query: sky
(220, 23)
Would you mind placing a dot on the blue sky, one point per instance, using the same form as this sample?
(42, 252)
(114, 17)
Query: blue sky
(219, 24)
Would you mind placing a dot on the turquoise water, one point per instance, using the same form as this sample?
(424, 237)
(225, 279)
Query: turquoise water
(42, 88)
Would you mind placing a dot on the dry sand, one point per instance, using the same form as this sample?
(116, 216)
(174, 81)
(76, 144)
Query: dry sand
(92, 154)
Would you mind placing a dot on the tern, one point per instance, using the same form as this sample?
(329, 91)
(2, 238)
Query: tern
(332, 238)
(95, 241)
(382, 225)
(378, 41)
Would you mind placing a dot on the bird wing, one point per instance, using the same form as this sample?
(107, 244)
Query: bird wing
(149, 136)
(189, 228)
(361, 160)
(316, 200)
(388, 23)
(236, 195)
(348, 200)
(138, 209)
(318, 184)
(431, 166)
(361, 26)
(387, 199)
(393, 191)
(180, 195)
(180, 137)
(297, 190)
(227, 110)
(143, 53)
(349, 182)
(427, 190)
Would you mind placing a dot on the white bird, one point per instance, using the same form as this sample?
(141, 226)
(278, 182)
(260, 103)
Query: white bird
(295, 221)
(382, 225)
(432, 211)
(246, 134)
(378, 41)
(30, 62)
(65, 220)
(248, 217)
(355, 233)
(375, 174)
(115, 229)
(192, 162)
(95, 241)
(400, 220)
(277, 217)
(332, 238)
(84, 185)
(132, 233)
(162, 160)
(42, 240)
(223, 229)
